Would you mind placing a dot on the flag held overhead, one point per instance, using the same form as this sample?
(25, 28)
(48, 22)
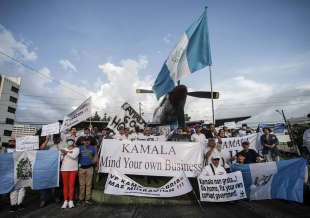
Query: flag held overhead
(192, 53)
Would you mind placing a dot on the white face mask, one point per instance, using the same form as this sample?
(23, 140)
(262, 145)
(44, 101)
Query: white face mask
(70, 143)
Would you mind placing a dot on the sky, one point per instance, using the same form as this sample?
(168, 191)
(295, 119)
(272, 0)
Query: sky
(106, 49)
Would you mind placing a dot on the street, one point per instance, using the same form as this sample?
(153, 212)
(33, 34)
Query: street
(240, 209)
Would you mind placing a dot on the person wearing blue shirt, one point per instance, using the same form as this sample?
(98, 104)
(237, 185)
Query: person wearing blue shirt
(87, 160)
(270, 142)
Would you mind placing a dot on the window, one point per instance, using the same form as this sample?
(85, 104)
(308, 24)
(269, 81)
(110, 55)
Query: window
(7, 133)
(14, 89)
(12, 99)
(5, 144)
(9, 121)
(11, 110)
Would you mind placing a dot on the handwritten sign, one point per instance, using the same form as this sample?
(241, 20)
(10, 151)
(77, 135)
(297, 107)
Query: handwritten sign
(50, 129)
(27, 143)
(222, 188)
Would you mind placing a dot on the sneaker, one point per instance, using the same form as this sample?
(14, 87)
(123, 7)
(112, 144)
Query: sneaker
(13, 208)
(71, 205)
(20, 207)
(65, 205)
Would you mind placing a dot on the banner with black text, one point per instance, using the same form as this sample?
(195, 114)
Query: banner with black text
(231, 146)
(221, 188)
(154, 158)
(119, 184)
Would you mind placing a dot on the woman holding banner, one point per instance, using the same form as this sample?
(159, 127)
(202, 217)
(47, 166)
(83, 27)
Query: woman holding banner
(17, 196)
(69, 169)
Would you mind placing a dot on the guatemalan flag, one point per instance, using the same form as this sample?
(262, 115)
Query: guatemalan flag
(35, 169)
(274, 180)
(192, 53)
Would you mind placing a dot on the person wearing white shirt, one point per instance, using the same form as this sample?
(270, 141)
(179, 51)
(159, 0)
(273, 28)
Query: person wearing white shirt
(69, 169)
(214, 168)
(212, 150)
(198, 136)
(306, 139)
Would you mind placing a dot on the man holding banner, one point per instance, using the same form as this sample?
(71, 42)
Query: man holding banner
(17, 196)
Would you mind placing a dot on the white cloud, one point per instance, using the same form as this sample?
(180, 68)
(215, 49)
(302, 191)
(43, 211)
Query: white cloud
(15, 48)
(121, 85)
(240, 96)
(67, 65)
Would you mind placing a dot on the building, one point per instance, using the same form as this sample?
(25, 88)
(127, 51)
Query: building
(23, 130)
(9, 92)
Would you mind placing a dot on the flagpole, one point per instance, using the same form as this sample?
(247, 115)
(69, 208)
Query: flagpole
(212, 101)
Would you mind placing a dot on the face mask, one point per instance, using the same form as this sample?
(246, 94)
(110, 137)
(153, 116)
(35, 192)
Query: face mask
(70, 142)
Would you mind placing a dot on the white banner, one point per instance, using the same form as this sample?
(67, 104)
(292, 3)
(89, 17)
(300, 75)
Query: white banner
(130, 119)
(154, 158)
(222, 188)
(231, 146)
(231, 125)
(78, 115)
(119, 184)
(50, 129)
(26, 143)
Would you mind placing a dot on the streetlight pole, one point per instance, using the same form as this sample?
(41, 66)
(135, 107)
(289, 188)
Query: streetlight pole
(140, 109)
(289, 130)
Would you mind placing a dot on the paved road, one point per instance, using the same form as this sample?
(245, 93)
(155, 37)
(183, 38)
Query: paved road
(241, 209)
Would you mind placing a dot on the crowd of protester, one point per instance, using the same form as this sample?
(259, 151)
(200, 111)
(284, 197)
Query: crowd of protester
(79, 156)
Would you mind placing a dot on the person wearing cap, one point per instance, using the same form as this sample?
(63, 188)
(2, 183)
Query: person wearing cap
(87, 159)
(250, 155)
(69, 169)
(16, 196)
(212, 150)
(214, 168)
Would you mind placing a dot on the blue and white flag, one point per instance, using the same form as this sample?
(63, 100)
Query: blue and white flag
(35, 169)
(274, 180)
(192, 53)
(279, 128)
(276, 128)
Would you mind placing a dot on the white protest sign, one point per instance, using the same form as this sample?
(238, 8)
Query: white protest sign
(230, 125)
(130, 120)
(164, 130)
(50, 129)
(119, 184)
(222, 188)
(78, 115)
(154, 158)
(231, 146)
(26, 143)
